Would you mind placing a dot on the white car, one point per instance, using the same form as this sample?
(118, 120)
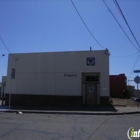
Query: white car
(134, 98)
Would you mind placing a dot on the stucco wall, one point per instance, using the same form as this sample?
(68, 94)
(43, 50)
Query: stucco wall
(45, 73)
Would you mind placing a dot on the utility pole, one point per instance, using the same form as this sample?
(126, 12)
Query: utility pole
(128, 91)
(137, 81)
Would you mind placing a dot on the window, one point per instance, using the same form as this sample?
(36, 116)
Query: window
(13, 73)
(92, 78)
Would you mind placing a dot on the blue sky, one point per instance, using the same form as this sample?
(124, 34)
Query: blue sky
(54, 25)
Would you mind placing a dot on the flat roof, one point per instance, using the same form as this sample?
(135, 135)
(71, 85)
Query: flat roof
(59, 52)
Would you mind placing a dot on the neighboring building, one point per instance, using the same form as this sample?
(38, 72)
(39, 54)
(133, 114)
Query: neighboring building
(118, 87)
(76, 77)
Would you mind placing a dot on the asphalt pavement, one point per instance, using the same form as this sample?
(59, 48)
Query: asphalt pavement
(29, 126)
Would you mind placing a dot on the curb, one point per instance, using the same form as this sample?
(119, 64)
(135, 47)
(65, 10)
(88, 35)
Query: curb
(70, 112)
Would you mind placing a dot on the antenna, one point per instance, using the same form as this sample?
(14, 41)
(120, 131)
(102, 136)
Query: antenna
(90, 48)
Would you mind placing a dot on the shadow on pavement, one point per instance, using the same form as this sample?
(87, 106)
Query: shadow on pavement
(109, 108)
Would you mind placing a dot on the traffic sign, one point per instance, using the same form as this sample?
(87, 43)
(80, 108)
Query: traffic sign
(136, 71)
(137, 79)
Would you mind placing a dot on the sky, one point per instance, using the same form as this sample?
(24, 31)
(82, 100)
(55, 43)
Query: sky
(54, 25)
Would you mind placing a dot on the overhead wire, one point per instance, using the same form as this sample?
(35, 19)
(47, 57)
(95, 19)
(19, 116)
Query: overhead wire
(4, 44)
(86, 25)
(121, 12)
(126, 55)
(120, 25)
(134, 66)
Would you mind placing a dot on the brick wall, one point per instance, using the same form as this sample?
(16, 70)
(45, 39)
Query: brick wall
(118, 86)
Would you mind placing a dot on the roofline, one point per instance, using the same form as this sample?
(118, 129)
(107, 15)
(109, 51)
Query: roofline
(57, 52)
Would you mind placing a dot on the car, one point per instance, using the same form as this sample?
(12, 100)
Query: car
(134, 98)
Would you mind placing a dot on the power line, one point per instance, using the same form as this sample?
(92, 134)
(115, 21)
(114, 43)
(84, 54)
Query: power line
(134, 65)
(120, 25)
(86, 25)
(126, 35)
(4, 44)
(121, 12)
(126, 55)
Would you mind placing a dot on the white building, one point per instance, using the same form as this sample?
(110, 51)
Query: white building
(3, 87)
(76, 77)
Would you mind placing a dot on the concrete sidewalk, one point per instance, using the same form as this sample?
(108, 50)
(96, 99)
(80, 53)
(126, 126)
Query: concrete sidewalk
(77, 110)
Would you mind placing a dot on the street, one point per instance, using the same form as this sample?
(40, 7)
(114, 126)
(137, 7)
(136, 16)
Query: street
(66, 127)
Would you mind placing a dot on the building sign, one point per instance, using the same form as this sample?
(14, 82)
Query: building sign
(91, 89)
(90, 61)
(70, 75)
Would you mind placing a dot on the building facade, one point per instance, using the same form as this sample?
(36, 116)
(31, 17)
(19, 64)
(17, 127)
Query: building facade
(76, 77)
(3, 87)
(118, 86)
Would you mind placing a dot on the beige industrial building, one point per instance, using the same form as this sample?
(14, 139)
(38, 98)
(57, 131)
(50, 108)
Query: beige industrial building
(3, 87)
(74, 77)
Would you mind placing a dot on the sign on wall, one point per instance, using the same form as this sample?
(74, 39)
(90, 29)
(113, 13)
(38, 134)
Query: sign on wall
(91, 89)
(90, 61)
(70, 75)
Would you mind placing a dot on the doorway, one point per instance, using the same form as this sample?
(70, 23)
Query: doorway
(91, 94)
(91, 88)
